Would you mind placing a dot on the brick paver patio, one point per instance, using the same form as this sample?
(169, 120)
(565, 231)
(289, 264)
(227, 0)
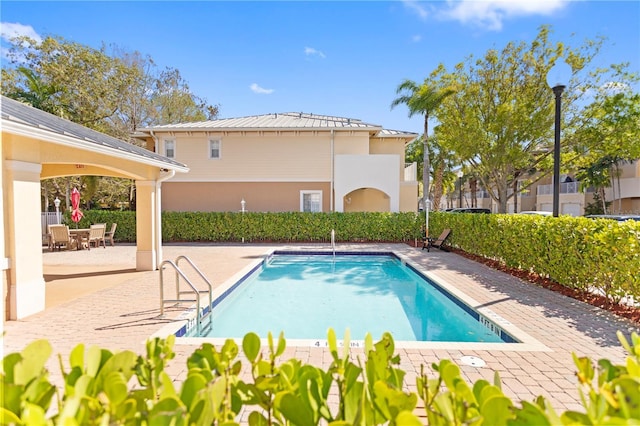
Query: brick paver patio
(101, 301)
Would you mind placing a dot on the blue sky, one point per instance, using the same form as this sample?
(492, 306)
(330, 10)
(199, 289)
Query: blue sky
(335, 58)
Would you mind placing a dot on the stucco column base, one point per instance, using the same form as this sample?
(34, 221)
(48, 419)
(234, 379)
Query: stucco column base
(26, 299)
(146, 260)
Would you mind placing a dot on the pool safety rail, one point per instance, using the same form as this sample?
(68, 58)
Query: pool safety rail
(333, 242)
(203, 313)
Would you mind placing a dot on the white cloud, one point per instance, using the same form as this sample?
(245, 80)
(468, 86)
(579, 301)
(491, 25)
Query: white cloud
(490, 14)
(310, 51)
(612, 87)
(9, 30)
(417, 8)
(416, 38)
(255, 88)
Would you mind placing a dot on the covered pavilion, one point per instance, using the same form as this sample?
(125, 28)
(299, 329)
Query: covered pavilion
(36, 145)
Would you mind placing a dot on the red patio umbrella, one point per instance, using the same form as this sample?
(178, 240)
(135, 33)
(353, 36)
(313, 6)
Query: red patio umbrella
(76, 214)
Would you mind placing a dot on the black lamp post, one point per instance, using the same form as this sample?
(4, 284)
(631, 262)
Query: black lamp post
(460, 174)
(556, 78)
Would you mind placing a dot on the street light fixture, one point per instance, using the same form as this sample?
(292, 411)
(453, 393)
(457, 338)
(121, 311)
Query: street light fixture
(56, 203)
(460, 174)
(243, 205)
(557, 78)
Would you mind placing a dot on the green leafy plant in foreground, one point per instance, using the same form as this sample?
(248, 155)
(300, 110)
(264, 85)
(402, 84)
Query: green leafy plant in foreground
(99, 389)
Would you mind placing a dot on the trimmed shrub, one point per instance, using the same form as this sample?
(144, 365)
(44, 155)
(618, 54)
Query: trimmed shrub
(596, 255)
(101, 387)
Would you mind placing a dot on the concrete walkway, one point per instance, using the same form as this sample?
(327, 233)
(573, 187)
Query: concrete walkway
(96, 297)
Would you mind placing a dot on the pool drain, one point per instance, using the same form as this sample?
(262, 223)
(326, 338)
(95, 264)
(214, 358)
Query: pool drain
(473, 361)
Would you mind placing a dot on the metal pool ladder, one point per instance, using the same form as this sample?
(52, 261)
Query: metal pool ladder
(203, 313)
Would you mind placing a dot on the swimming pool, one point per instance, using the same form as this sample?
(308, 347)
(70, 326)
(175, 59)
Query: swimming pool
(304, 294)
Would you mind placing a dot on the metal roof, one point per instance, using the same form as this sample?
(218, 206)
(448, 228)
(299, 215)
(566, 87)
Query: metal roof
(392, 133)
(281, 121)
(22, 115)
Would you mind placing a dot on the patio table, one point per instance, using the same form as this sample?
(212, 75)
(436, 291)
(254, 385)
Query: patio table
(78, 235)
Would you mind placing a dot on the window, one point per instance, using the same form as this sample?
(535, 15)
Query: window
(214, 148)
(170, 148)
(311, 201)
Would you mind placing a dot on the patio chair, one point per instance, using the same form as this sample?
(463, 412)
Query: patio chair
(109, 235)
(60, 237)
(438, 242)
(96, 235)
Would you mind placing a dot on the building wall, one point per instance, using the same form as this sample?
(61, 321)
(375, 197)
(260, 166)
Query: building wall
(254, 156)
(625, 194)
(227, 196)
(630, 170)
(366, 200)
(409, 196)
(353, 172)
(390, 146)
(268, 169)
(351, 142)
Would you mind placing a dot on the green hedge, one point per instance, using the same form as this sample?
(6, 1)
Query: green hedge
(265, 227)
(289, 227)
(586, 254)
(126, 220)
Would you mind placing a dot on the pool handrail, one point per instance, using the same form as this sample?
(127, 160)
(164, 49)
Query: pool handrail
(200, 315)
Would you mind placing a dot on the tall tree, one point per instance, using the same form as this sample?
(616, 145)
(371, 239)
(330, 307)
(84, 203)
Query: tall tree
(421, 99)
(37, 92)
(500, 121)
(443, 160)
(174, 102)
(112, 92)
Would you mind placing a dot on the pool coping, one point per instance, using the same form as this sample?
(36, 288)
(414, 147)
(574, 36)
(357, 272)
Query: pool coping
(526, 343)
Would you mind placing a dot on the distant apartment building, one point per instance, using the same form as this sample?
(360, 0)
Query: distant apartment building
(624, 195)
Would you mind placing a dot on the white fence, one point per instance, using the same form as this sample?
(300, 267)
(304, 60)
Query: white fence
(49, 218)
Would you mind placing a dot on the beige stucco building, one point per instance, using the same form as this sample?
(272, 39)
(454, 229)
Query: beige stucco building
(36, 145)
(286, 162)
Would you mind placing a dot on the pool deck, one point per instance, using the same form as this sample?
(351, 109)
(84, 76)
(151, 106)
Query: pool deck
(96, 297)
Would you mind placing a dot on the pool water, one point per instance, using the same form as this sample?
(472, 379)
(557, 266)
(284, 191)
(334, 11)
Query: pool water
(305, 295)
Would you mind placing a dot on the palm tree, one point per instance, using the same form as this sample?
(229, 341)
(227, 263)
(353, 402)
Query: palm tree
(421, 99)
(38, 93)
(442, 161)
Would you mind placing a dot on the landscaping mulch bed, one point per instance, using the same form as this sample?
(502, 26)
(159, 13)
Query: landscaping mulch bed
(630, 312)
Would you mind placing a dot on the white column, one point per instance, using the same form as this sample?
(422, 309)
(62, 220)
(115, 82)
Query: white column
(4, 261)
(146, 226)
(23, 238)
(158, 214)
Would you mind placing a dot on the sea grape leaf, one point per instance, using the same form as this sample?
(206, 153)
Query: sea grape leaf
(251, 346)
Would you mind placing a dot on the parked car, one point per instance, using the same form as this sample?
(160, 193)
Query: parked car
(469, 210)
(536, 212)
(618, 217)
